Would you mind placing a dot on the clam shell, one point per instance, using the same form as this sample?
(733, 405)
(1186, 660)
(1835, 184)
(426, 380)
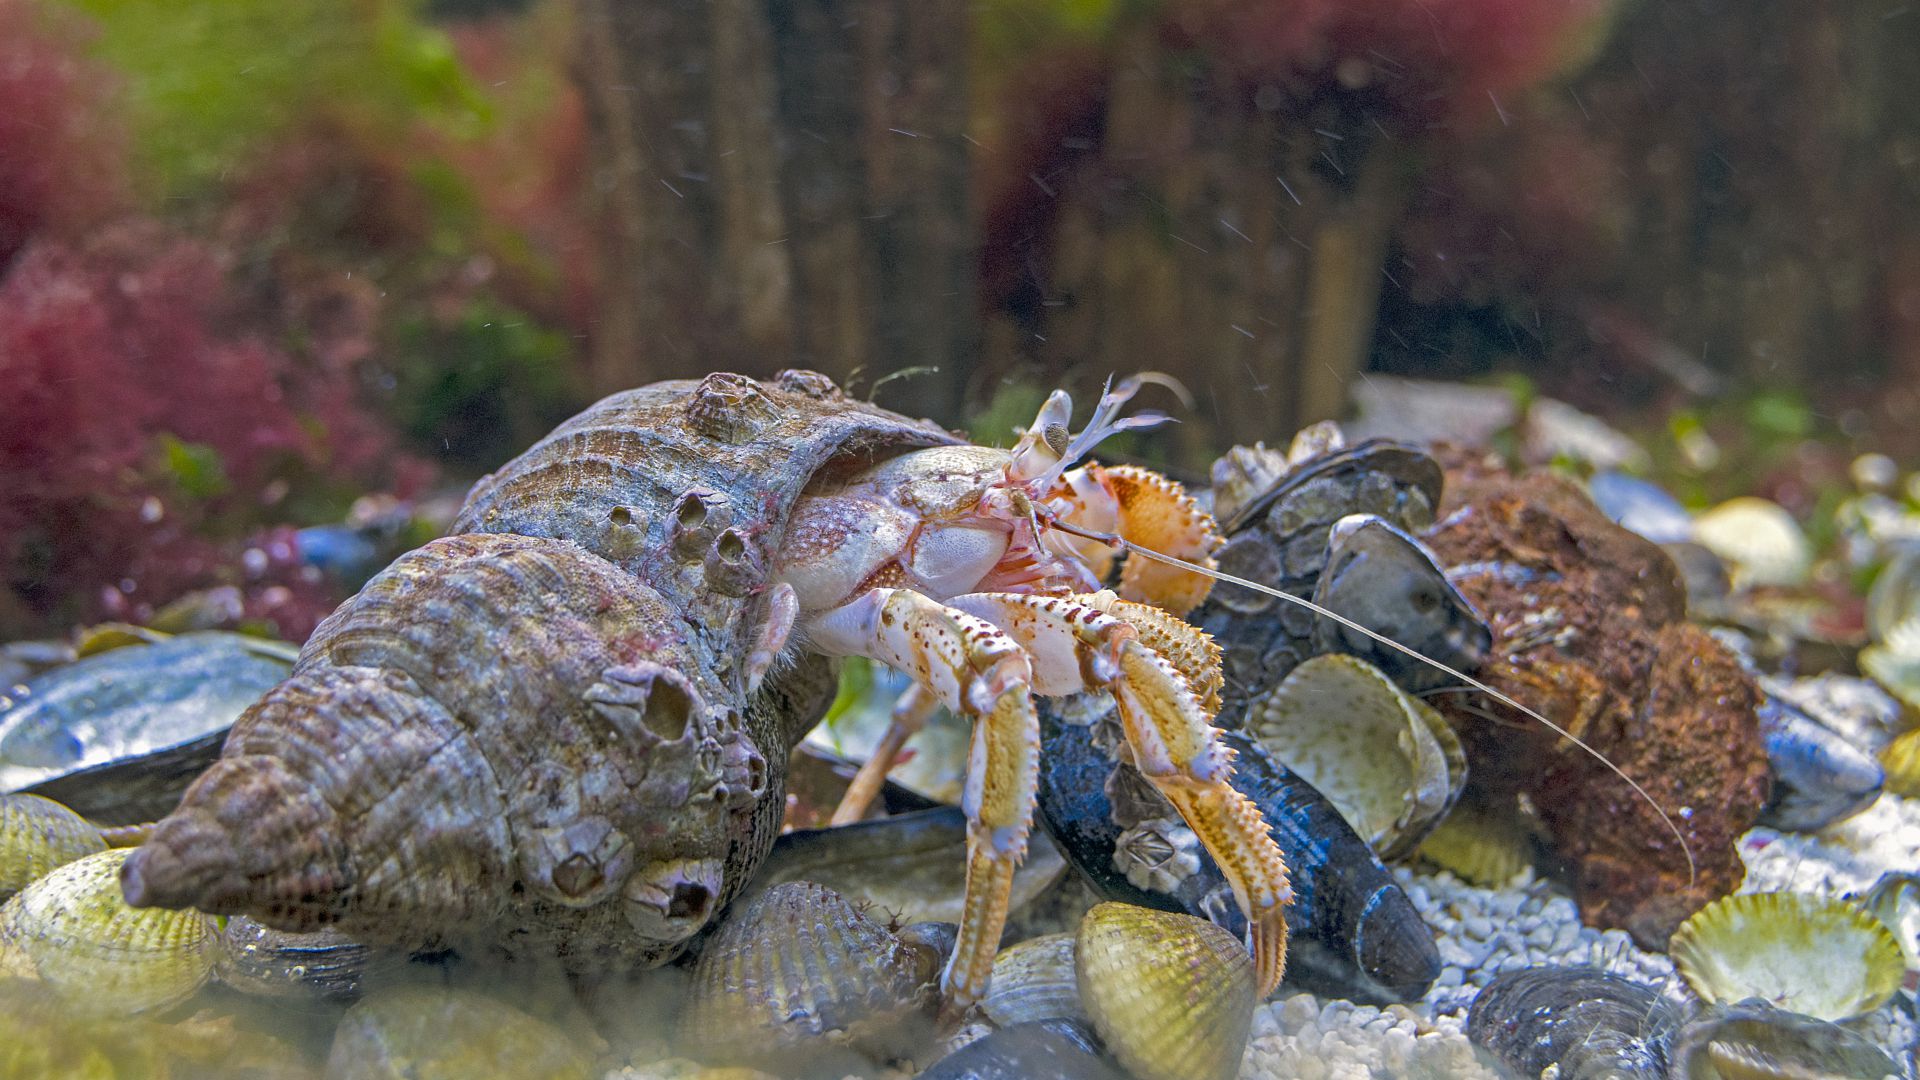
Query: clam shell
(1827, 958)
(1754, 1041)
(1172, 996)
(37, 835)
(1901, 760)
(1759, 538)
(1592, 1024)
(73, 930)
(800, 974)
(1034, 980)
(430, 1033)
(1479, 847)
(1388, 762)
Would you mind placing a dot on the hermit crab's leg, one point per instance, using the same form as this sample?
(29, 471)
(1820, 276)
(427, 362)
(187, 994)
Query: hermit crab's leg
(1152, 511)
(969, 666)
(1176, 749)
(910, 713)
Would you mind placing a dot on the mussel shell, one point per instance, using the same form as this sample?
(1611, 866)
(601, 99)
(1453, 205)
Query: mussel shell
(323, 964)
(73, 931)
(1641, 506)
(37, 835)
(1824, 957)
(117, 736)
(1171, 996)
(799, 974)
(1754, 1041)
(912, 866)
(1819, 777)
(1593, 1024)
(1034, 980)
(1352, 930)
(1043, 1050)
(1397, 464)
(1385, 580)
(431, 1033)
(1388, 761)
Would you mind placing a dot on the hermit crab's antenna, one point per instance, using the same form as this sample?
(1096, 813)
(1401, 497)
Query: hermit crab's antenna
(1218, 575)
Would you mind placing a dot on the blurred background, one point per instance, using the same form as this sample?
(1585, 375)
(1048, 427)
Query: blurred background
(277, 279)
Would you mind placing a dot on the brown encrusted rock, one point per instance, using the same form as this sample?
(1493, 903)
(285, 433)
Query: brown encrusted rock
(1588, 629)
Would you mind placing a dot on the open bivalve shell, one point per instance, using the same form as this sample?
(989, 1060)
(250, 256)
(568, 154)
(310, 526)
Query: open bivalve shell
(72, 930)
(1387, 761)
(1829, 959)
(1172, 996)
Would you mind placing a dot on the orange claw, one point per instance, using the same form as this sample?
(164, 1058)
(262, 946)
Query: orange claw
(1154, 512)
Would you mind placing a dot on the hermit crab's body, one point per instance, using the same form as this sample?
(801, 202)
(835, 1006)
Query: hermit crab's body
(566, 727)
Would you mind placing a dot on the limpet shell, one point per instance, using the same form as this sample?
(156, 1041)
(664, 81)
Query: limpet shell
(1172, 996)
(1827, 958)
(1759, 538)
(1387, 761)
(37, 835)
(73, 930)
(1034, 980)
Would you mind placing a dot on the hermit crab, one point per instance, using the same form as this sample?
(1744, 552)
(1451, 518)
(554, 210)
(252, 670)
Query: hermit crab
(565, 728)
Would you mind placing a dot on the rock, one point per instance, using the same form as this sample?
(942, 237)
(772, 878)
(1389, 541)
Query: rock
(1589, 630)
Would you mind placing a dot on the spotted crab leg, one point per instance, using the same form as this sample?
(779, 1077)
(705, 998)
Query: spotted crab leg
(970, 666)
(1154, 664)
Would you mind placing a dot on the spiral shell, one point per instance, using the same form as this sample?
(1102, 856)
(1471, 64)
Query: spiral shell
(1826, 958)
(539, 736)
(1172, 996)
(72, 930)
(800, 974)
(37, 835)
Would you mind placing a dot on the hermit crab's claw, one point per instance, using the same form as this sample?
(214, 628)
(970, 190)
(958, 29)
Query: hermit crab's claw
(1144, 508)
(1176, 748)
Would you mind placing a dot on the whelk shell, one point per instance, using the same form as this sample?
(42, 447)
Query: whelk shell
(1388, 762)
(800, 974)
(1172, 996)
(1826, 958)
(37, 835)
(1754, 1041)
(73, 930)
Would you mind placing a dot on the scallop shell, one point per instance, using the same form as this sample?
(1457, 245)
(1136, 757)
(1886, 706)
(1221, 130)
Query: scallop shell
(1172, 996)
(1826, 958)
(37, 835)
(799, 974)
(1034, 980)
(73, 930)
(1760, 538)
(1754, 1041)
(1388, 762)
(430, 1033)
